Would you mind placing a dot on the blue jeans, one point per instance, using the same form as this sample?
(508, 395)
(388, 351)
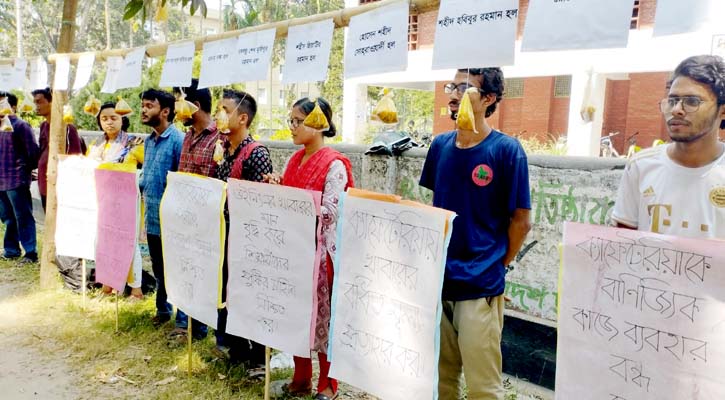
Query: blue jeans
(198, 329)
(16, 212)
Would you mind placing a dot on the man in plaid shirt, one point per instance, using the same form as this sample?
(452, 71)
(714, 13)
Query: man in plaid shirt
(18, 158)
(197, 157)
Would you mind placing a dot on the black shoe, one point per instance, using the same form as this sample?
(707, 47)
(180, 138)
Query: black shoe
(158, 320)
(9, 258)
(29, 259)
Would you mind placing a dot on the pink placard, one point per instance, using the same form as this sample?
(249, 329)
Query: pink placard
(117, 194)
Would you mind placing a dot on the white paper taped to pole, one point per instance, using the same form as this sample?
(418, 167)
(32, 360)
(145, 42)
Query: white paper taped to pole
(178, 65)
(84, 70)
(640, 316)
(62, 72)
(76, 219)
(377, 41)
(576, 24)
(38, 74)
(272, 264)
(308, 52)
(113, 68)
(254, 53)
(460, 20)
(216, 62)
(192, 232)
(130, 74)
(386, 297)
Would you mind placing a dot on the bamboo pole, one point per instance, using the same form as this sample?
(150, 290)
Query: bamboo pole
(56, 146)
(341, 19)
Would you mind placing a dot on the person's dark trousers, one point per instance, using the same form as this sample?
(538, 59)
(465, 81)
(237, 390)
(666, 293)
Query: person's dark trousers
(241, 350)
(70, 268)
(163, 308)
(16, 212)
(44, 202)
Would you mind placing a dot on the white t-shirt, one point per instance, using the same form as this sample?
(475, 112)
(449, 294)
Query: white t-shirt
(658, 195)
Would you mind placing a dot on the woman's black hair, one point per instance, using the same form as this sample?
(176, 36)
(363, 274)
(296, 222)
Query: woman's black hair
(306, 106)
(125, 123)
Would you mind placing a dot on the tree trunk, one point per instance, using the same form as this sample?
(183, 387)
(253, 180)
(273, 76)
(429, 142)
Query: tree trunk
(108, 25)
(56, 146)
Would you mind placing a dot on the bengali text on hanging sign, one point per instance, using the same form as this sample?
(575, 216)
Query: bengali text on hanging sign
(113, 68)
(308, 52)
(377, 41)
(645, 312)
(77, 215)
(84, 69)
(272, 264)
(461, 21)
(178, 65)
(216, 62)
(130, 74)
(254, 53)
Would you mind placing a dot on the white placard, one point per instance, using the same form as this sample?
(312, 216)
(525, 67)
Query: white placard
(271, 263)
(576, 24)
(38, 74)
(676, 16)
(387, 297)
(640, 316)
(62, 72)
(7, 77)
(178, 65)
(308, 52)
(217, 63)
(130, 75)
(77, 216)
(84, 70)
(113, 69)
(718, 45)
(377, 41)
(459, 21)
(21, 70)
(254, 53)
(192, 232)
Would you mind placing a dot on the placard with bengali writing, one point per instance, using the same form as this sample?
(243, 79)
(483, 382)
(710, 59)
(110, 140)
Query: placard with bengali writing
(641, 316)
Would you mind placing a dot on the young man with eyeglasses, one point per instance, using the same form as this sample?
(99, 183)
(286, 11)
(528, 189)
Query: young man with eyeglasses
(679, 189)
(482, 175)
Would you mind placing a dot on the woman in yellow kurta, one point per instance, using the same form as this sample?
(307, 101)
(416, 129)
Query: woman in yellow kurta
(117, 146)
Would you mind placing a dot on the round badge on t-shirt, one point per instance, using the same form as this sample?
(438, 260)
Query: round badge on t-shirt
(482, 175)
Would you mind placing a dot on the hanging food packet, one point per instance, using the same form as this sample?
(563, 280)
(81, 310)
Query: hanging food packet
(6, 125)
(385, 110)
(218, 151)
(67, 114)
(466, 119)
(92, 106)
(122, 108)
(162, 13)
(316, 119)
(222, 120)
(5, 108)
(27, 106)
(184, 108)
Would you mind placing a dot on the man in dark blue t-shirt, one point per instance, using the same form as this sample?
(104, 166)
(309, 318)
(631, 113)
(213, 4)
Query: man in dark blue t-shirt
(483, 176)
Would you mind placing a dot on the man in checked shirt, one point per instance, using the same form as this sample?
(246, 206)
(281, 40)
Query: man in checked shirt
(197, 157)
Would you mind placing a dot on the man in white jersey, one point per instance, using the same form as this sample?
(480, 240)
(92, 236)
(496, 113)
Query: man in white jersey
(679, 189)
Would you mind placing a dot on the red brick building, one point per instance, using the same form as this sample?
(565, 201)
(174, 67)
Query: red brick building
(539, 106)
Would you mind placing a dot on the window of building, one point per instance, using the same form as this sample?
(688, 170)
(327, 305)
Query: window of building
(634, 23)
(262, 96)
(413, 32)
(513, 88)
(562, 86)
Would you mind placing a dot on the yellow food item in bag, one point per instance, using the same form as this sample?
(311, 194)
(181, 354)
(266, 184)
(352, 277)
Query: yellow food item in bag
(385, 111)
(122, 108)
(27, 106)
(184, 108)
(67, 114)
(218, 151)
(92, 106)
(6, 125)
(5, 108)
(466, 119)
(222, 121)
(316, 119)
(162, 13)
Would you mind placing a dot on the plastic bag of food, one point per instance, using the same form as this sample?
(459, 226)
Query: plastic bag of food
(218, 151)
(122, 108)
(162, 13)
(6, 125)
(385, 111)
(68, 114)
(466, 119)
(222, 121)
(92, 106)
(184, 108)
(316, 119)
(5, 108)
(27, 106)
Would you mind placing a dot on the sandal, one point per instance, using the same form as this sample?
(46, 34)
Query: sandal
(321, 396)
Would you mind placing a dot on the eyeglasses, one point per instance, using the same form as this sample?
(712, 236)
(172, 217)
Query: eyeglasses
(294, 122)
(460, 88)
(690, 104)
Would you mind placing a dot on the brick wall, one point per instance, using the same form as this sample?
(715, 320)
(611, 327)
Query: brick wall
(427, 29)
(643, 114)
(647, 10)
(615, 111)
(441, 121)
(559, 121)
